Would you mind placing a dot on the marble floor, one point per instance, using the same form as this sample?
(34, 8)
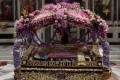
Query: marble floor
(7, 72)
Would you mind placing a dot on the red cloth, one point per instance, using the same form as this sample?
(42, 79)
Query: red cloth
(3, 63)
(61, 56)
(41, 53)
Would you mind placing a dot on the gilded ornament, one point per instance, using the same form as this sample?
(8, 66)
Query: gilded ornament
(30, 59)
(99, 64)
(106, 11)
(24, 62)
(4, 26)
(24, 12)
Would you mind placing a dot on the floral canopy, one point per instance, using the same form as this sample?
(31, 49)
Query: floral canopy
(59, 16)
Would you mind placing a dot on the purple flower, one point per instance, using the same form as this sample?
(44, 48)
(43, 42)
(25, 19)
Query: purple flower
(60, 14)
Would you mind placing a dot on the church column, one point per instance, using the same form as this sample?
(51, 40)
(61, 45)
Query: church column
(117, 11)
(37, 3)
(93, 6)
(14, 10)
(43, 3)
(18, 7)
(41, 32)
(86, 4)
(112, 12)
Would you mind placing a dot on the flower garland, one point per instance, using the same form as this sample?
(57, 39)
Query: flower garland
(65, 13)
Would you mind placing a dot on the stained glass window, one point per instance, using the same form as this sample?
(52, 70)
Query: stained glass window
(28, 6)
(6, 10)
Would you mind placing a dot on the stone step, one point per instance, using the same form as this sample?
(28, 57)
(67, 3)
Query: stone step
(6, 53)
(115, 61)
(115, 47)
(8, 61)
(6, 57)
(116, 57)
(6, 40)
(114, 52)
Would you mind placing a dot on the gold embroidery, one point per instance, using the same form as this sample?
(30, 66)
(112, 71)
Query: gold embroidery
(60, 69)
(30, 58)
(99, 64)
(63, 63)
(60, 76)
(80, 65)
(24, 62)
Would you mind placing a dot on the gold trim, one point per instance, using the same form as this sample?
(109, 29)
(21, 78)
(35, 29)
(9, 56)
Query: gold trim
(24, 62)
(62, 63)
(60, 76)
(30, 59)
(61, 69)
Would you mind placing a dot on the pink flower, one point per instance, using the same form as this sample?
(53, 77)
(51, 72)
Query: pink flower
(104, 26)
(31, 14)
(60, 14)
(98, 20)
(65, 10)
(27, 19)
(98, 17)
(91, 19)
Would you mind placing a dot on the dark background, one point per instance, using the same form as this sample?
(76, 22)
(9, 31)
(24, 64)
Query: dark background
(54, 1)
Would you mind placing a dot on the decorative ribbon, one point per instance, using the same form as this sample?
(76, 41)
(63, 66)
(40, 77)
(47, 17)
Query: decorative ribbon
(16, 47)
(75, 40)
(42, 43)
(16, 53)
(106, 52)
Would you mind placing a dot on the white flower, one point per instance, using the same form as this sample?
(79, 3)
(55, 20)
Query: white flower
(56, 21)
(98, 20)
